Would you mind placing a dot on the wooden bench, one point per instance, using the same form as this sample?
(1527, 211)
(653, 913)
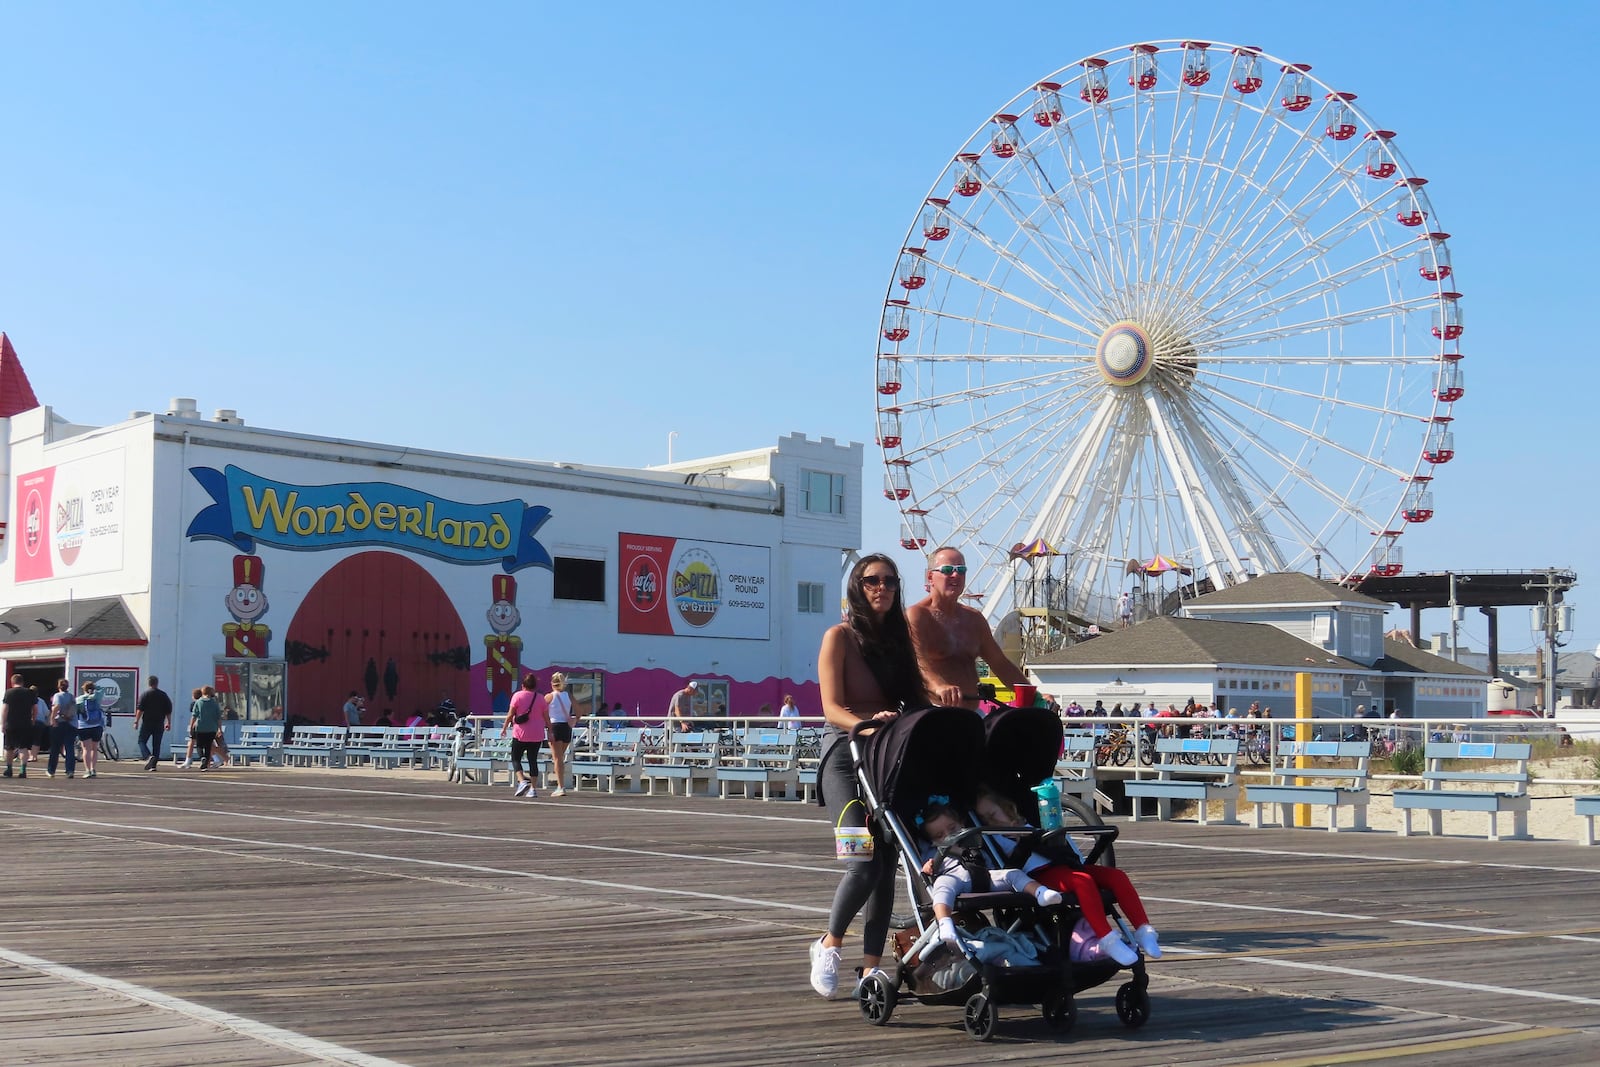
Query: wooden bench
(1464, 790)
(617, 754)
(310, 745)
(764, 756)
(687, 756)
(1187, 773)
(1075, 769)
(1587, 807)
(259, 741)
(1344, 785)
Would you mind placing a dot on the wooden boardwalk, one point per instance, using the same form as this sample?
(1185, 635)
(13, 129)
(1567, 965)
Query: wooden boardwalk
(278, 917)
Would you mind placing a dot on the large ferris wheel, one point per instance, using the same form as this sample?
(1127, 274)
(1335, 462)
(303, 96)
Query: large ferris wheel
(1178, 307)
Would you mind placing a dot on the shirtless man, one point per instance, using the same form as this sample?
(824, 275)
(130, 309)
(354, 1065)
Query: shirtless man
(949, 637)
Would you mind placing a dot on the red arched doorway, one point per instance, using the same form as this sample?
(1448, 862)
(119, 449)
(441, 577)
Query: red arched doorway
(381, 625)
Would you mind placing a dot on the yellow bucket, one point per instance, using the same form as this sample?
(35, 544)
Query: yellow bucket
(852, 844)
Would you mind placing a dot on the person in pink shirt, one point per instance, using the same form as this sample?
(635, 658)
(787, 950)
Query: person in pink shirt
(528, 722)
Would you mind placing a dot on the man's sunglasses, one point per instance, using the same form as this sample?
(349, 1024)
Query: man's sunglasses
(947, 570)
(875, 580)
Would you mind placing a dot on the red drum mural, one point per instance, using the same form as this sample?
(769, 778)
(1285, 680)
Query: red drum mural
(380, 624)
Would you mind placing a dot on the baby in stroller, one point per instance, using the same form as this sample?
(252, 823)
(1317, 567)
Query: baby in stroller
(1061, 867)
(953, 874)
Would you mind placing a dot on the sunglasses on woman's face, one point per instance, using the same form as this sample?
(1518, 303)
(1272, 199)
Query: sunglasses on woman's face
(948, 569)
(888, 581)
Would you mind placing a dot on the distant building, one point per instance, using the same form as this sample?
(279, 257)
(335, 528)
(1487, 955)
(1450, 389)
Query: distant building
(1246, 643)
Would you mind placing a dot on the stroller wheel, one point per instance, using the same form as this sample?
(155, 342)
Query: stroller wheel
(876, 998)
(1061, 1011)
(980, 1017)
(1133, 1005)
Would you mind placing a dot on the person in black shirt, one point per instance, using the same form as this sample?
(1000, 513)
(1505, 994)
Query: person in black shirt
(18, 726)
(153, 716)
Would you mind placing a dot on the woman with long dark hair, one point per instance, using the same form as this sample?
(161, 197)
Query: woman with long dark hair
(868, 671)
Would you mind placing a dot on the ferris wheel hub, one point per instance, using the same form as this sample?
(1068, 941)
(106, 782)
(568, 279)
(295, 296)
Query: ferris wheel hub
(1123, 354)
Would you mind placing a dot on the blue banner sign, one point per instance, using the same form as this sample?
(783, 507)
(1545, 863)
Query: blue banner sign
(248, 509)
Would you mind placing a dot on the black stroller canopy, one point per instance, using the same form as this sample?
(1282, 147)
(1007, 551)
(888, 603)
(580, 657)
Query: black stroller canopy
(1021, 750)
(934, 751)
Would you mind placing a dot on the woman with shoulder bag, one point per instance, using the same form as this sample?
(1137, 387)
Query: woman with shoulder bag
(526, 721)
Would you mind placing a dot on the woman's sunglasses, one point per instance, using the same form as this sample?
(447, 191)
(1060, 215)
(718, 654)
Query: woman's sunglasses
(875, 580)
(947, 570)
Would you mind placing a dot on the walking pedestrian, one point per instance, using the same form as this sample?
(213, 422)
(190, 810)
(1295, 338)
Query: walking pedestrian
(91, 724)
(559, 716)
(153, 716)
(205, 719)
(63, 730)
(527, 721)
(18, 724)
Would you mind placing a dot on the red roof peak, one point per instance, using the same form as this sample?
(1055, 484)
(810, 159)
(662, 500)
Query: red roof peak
(16, 393)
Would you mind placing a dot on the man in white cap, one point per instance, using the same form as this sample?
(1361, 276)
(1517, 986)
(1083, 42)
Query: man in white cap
(681, 706)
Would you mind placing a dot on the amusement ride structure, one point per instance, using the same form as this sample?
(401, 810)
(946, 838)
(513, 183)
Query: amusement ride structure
(1175, 315)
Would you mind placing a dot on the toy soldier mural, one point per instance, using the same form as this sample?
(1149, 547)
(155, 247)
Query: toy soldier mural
(245, 637)
(503, 665)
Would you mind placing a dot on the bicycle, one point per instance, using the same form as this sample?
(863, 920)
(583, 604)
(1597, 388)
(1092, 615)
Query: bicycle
(108, 748)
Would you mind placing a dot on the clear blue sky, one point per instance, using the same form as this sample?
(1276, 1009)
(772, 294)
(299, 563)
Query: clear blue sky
(563, 231)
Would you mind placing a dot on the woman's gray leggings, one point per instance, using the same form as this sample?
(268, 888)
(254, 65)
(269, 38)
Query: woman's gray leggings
(866, 883)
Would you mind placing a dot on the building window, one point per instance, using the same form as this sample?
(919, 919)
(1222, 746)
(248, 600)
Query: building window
(822, 493)
(1361, 634)
(811, 594)
(580, 579)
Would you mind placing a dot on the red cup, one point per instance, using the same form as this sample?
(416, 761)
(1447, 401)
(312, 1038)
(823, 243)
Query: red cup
(1024, 695)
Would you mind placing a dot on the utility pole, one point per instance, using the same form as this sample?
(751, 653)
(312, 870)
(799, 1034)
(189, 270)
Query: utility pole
(1553, 617)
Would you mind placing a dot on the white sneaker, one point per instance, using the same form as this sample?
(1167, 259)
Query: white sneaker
(532, 793)
(1114, 946)
(184, 765)
(558, 792)
(520, 788)
(1145, 938)
(824, 969)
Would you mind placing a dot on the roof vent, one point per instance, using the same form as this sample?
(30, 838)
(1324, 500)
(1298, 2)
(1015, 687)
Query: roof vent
(183, 407)
(227, 415)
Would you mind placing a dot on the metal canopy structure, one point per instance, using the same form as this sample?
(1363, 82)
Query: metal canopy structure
(1488, 591)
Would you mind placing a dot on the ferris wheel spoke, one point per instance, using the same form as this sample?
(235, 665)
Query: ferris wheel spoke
(1203, 521)
(1271, 500)
(1036, 385)
(1328, 323)
(1082, 285)
(1234, 309)
(1295, 430)
(1084, 348)
(1306, 394)
(1284, 255)
(1064, 139)
(1009, 297)
(1075, 240)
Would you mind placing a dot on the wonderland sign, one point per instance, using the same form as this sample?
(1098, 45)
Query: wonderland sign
(248, 509)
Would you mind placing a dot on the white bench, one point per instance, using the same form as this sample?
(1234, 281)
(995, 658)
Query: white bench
(1075, 769)
(387, 746)
(764, 756)
(310, 745)
(1334, 787)
(259, 741)
(490, 755)
(1186, 772)
(687, 756)
(617, 755)
(1462, 790)
(1587, 807)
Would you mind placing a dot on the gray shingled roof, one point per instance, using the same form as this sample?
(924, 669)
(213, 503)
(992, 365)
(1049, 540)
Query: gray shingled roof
(1284, 587)
(1400, 657)
(1165, 641)
(96, 620)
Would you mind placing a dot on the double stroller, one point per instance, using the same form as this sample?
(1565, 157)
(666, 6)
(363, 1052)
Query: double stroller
(948, 753)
